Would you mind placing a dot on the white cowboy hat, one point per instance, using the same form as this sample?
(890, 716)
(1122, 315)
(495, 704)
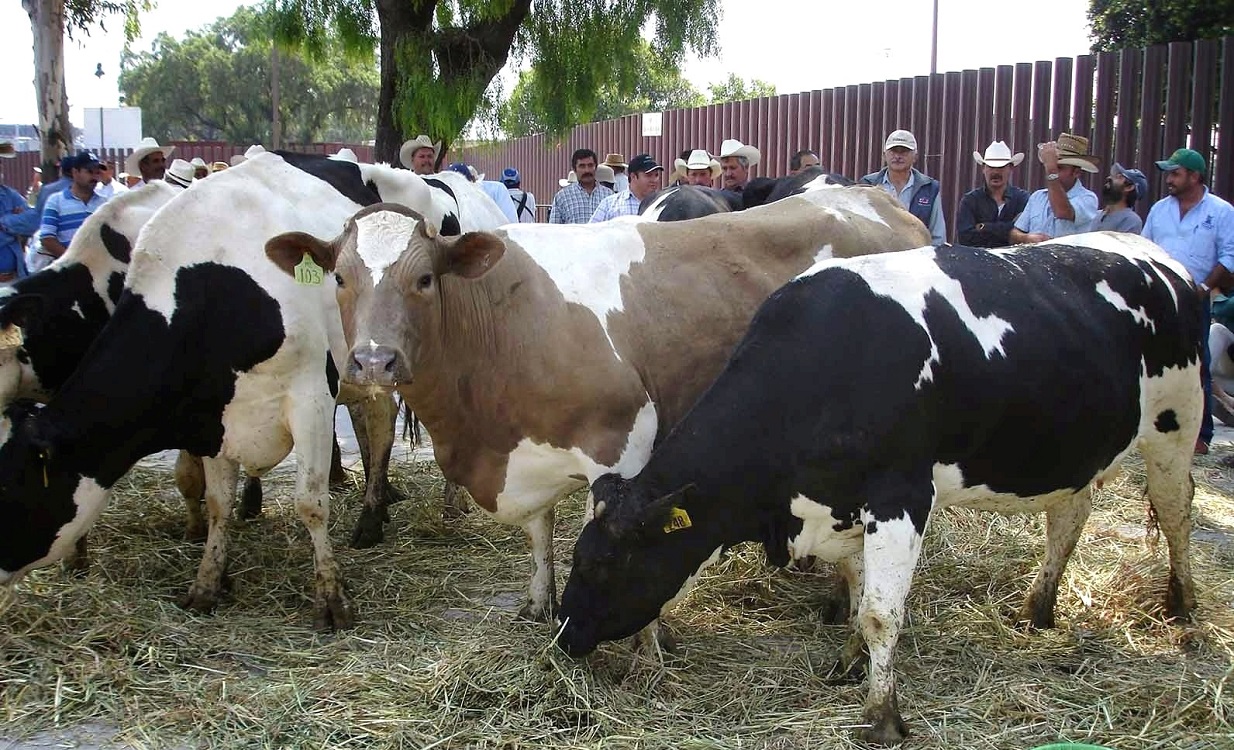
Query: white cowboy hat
(345, 154)
(180, 173)
(734, 147)
(569, 179)
(998, 154)
(199, 163)
(145, 148)
(605, 173)
(699, 159)
(409, 149)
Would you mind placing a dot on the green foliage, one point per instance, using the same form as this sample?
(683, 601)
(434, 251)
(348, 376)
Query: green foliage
(80, 15)
(1120, 24)
(214, 84)
(445, 54)
(735, 89)
(661, 86)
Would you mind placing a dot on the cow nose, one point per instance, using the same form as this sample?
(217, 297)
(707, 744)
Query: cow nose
(374, 365)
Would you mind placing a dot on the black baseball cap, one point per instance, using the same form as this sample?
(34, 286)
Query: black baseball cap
(643, 163)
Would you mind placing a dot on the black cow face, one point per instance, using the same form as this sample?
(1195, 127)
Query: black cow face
(628, 563)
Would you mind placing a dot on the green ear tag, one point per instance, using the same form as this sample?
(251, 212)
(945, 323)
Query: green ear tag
(308, 272)
(678, 519)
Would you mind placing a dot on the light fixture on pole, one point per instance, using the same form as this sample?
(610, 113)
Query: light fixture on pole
(98, 73)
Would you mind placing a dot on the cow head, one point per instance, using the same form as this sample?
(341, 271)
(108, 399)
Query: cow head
(17, 376)
(45, 506)
(630, 562)
(390, 263)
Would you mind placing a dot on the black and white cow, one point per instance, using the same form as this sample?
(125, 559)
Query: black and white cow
(869, 392)
(682, 202)
(211, 349)
(763, 190)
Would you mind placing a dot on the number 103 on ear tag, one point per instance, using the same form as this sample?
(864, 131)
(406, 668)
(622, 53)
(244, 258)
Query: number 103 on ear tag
(308, 272)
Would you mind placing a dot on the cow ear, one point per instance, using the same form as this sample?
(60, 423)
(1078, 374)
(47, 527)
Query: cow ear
(472, 255)
(661, 516)
(288, 249)
(21, 310)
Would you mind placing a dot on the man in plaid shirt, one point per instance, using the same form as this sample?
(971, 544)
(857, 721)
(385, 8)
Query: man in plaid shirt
(645, 177)
(575, 204)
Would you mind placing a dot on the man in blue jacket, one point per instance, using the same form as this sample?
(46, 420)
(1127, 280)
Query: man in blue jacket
(917, 192)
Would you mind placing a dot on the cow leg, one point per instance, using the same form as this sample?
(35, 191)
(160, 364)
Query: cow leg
(541, 605)
(892, 546)
(1064, 522)
(378, 415)
(1171, 490)
(332, 609)
(191, 482)
(250, 499)
(220, 476)
(338, 475)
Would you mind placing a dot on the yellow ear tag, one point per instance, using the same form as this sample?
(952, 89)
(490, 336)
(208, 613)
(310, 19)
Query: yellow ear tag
(678, 519)
(308, 272)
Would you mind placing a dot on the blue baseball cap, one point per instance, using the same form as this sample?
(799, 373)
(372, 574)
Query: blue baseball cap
(510, 177)
(1135, 177)
(461, 168)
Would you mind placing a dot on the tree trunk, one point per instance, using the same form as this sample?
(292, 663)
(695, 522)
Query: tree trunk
(47, 25)
(398, 20)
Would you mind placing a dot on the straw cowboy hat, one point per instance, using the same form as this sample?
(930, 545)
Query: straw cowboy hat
(998, 154)
(569, 179)
(218, 166)
(409, 149)
(615, 161)
(734, 147)
(699, 159)
(1073, 151)
(145, 148)
(180, 173)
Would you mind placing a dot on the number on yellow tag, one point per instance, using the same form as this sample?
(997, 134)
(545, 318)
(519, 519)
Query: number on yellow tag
(308, 272)
(678, 519)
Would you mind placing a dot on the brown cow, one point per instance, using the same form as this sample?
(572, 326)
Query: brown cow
(537, 354)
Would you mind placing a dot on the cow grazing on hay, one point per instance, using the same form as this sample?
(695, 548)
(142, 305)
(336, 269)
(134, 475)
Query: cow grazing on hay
(869, 392)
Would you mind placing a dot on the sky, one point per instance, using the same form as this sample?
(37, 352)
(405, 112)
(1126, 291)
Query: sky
(796, 45)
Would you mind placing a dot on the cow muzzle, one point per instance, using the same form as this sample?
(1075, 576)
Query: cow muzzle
(375, 364)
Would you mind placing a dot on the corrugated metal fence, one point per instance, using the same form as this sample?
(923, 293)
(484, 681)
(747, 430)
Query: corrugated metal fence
(1136, 106)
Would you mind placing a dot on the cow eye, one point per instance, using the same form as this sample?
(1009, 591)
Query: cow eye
(424, 282)
(338, 279)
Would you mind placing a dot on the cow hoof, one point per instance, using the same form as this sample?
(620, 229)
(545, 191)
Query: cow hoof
(200, 599)
(1179, 600)
(533, 612)
(887, 730)
(1036, 615)
(333, 612)
(250, 501)
(368, 531)
(394, 495)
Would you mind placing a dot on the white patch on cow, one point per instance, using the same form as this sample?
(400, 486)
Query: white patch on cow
(77, 309)
(1131, 246)
(1120, 303)
(952, 490)
(537, 474)
(372, 344)
(818, 536)
(6, 291)
(657, 206)
(842, 203)
(585, 261)
(825, 253)
(821, 182)
(692, 580)
(381, 239)
(90, 500)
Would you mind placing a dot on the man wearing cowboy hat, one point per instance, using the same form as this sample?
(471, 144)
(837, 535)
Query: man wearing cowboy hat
(1064, 206)
(617, 162)
(67, 210)
(1196, 228)
(1121, 190)
(987, 213)
(201, 170)
(420, 154)
(180, 174)
(698, 169)
(803, 159)
(915, 190)
(736, 158)
(645, 178)
(149, 160)
(577, 201)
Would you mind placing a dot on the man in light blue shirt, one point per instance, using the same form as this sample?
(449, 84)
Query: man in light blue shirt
(916, 191)
(1196, 228)
(645, 178)
(1063, 206)
(66, 211)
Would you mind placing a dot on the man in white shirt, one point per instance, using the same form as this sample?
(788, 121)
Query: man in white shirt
(108, 186)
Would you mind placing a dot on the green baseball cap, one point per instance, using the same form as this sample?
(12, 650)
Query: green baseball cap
(1185, 158)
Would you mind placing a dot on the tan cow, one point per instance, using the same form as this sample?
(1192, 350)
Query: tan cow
(536, 354)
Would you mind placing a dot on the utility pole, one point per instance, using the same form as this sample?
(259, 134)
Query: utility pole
(98, 73)
(934, 42)
(274, 96)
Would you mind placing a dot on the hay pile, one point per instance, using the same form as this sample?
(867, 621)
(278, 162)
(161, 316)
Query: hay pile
(437, 659)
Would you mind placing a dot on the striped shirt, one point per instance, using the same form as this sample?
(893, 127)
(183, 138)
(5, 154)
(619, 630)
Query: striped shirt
(618, 204)
(573, 205)
(64, 213)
